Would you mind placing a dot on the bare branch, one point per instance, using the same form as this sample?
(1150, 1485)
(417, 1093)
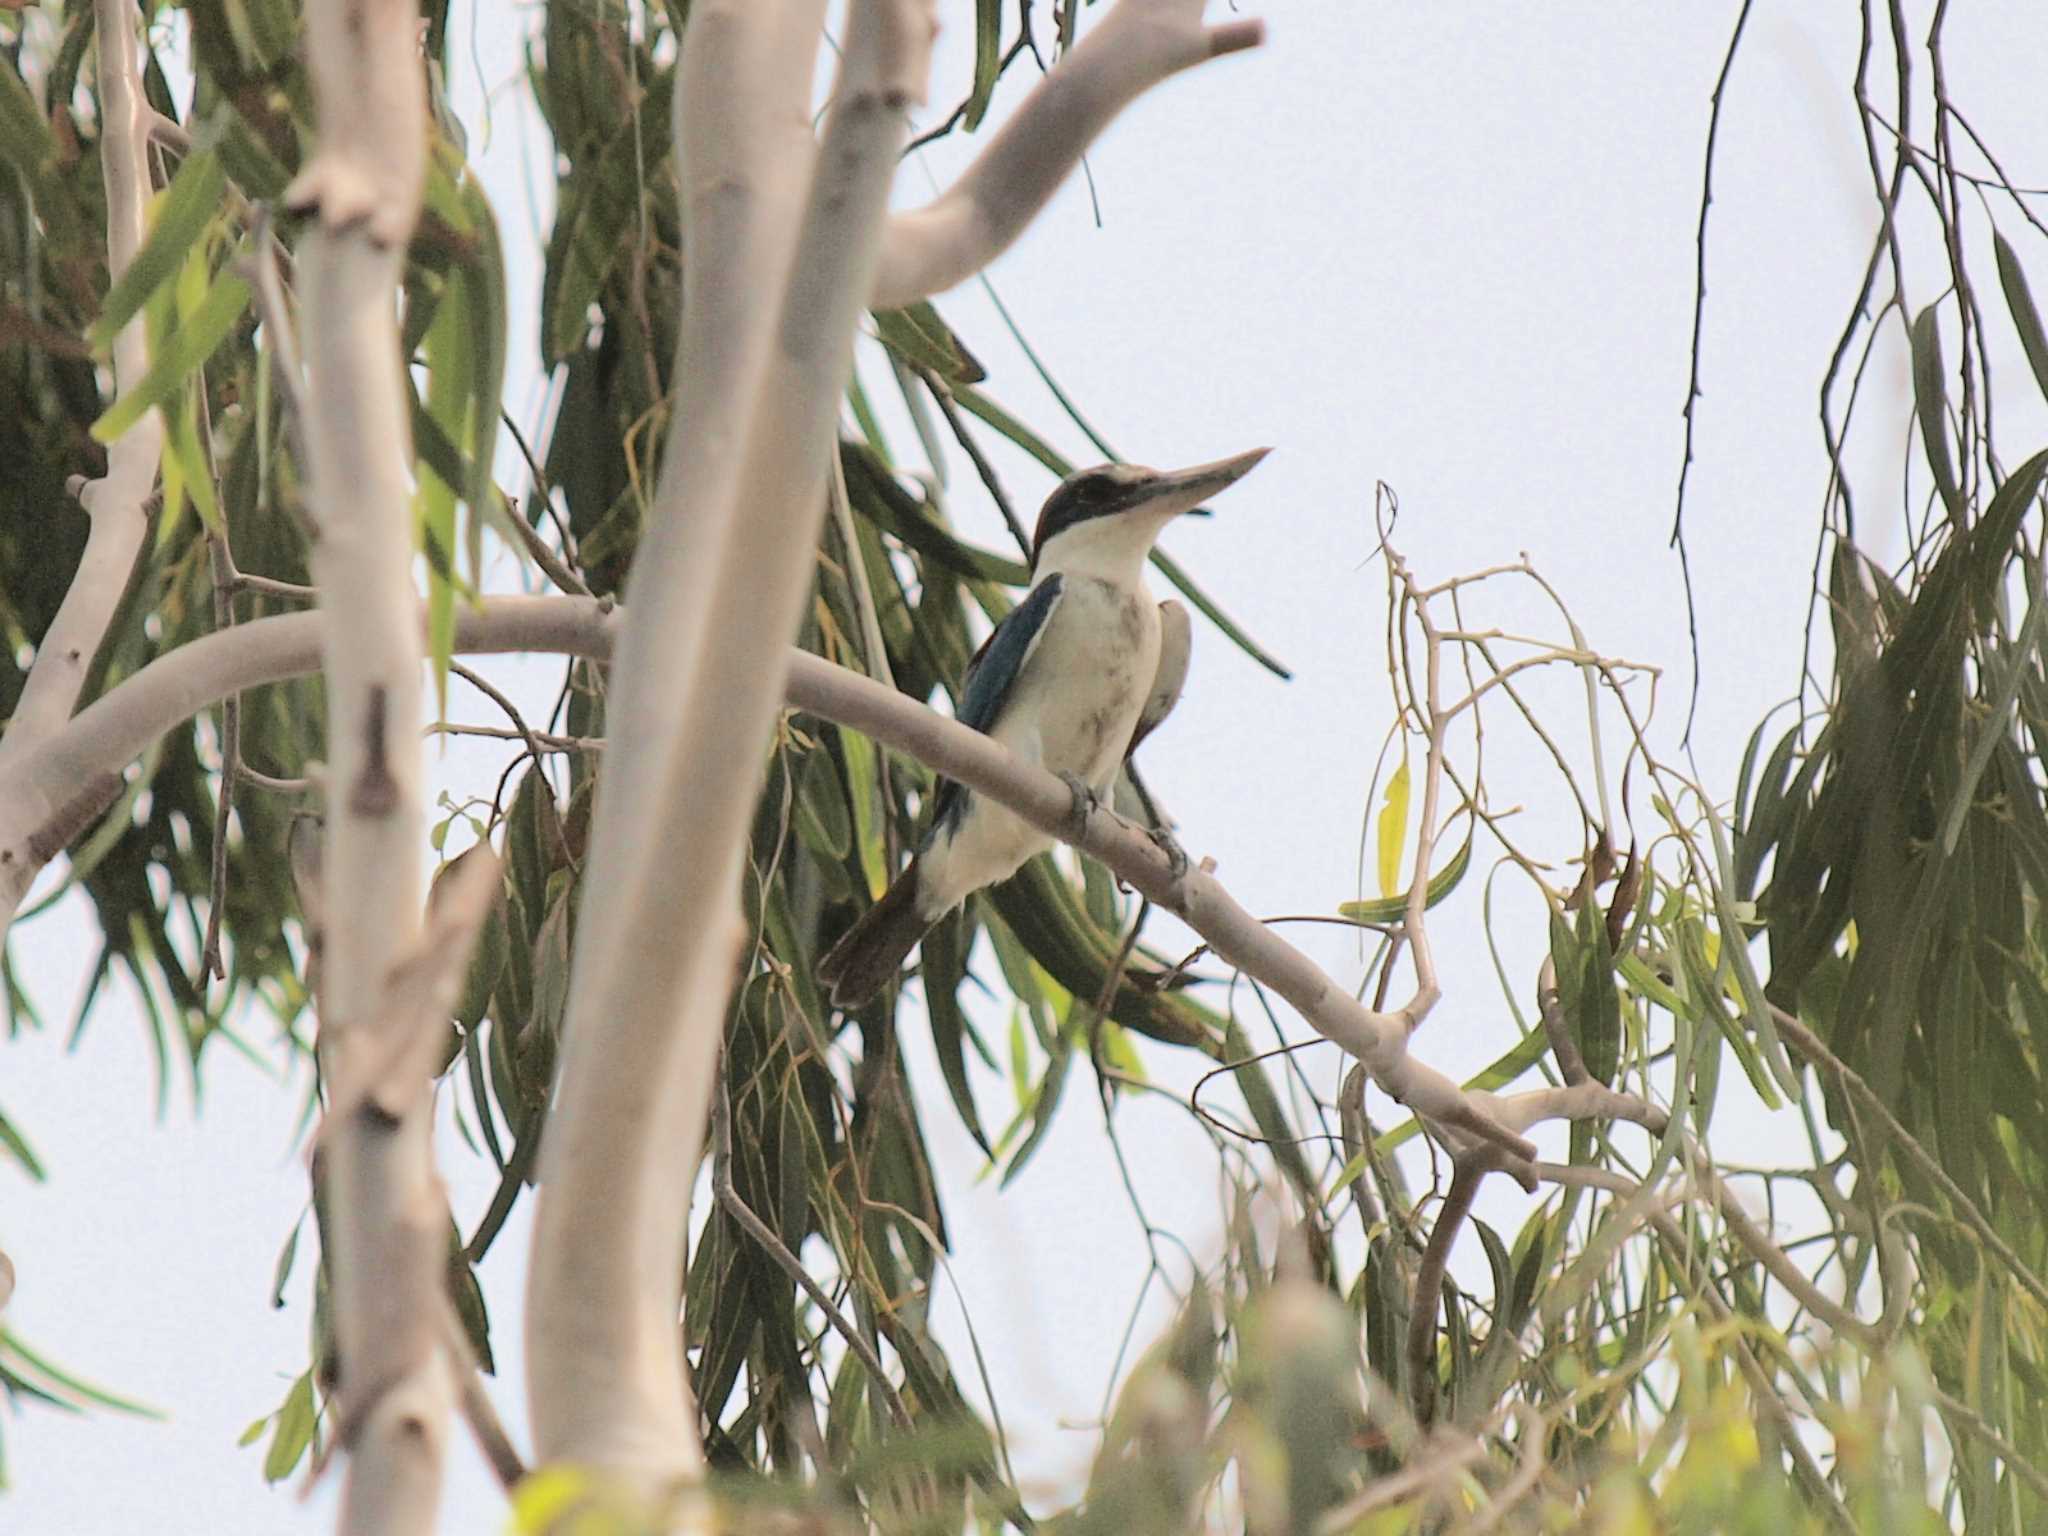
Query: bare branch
(388, 1236)
(117, 728)
(1136, 46)
(118, 502)
(1429, 1284)
(727, 1195)
(781, 247)
(478, 1411)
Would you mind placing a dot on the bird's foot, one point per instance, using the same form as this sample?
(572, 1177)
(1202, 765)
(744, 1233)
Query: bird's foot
(1086, 803)
(1176, 856)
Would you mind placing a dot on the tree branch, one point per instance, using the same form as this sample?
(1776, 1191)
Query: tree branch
(117, 728)
(1136, 46)
(781, 254)
(117, 503)
(388, 1234)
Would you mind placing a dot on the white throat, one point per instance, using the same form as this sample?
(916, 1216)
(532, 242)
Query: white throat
(1111, 549)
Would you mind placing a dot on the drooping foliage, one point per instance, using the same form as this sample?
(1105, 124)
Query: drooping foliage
(1629, 1356)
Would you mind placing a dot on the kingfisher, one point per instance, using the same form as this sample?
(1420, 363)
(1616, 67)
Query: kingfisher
(1072, 679)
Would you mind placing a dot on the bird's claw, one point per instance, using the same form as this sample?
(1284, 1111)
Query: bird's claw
(1176, 856)
(1086, 802)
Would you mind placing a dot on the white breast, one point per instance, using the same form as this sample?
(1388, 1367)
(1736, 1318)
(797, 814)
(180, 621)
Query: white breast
(1072, 711)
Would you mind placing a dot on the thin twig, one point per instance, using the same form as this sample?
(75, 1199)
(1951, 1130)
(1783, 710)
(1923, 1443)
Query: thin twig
(542, 742)
(478, 1411)
(982, 467)
(1692, 388)
(1562, 1045)
(560, 569)
(723, 1191)
(484, 687)
(1808, 1044)
(211, 964)
(264, 586)
(1429, 1282)
(258, 780)
(959, 113)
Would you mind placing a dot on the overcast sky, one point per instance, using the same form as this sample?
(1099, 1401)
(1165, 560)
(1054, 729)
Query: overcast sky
(1445, 247)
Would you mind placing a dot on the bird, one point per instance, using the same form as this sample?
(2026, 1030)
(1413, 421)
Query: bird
(1072, 679)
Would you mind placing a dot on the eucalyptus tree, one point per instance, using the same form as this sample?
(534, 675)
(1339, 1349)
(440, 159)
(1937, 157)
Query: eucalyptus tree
(222, 691)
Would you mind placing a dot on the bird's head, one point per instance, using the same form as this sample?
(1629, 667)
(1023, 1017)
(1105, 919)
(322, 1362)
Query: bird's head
(1103, 521)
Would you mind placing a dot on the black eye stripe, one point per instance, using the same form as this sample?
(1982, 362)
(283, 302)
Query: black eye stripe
(1089, 494)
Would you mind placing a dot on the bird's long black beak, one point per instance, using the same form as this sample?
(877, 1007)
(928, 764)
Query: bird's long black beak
(1191, 487)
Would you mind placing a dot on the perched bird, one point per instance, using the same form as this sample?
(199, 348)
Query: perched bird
(1073, 679)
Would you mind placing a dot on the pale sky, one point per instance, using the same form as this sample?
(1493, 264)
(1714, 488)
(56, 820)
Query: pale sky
(1447, 247)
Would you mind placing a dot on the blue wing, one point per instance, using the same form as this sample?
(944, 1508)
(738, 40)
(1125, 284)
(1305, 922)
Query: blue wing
(990, 675)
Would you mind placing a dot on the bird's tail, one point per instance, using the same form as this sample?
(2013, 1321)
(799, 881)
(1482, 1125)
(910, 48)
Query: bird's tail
(873, 949)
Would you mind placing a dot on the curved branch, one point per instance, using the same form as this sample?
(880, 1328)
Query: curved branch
(385, 1231)
(655, 948)
(1810, 1045)
(1429, 1284)
(117, 502)
(1136, 46)
(1235, 936)
(116, 729)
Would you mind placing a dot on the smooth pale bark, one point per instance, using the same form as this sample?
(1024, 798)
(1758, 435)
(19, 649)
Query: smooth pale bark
(648, 997)
(716, 593)
(117, 728)
(385, 1220)
(1134, 47)
(606, 1375)
(118, 503)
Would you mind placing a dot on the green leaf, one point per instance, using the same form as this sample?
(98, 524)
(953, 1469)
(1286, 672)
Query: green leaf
(188, 349)
(1045, 1101)
(864, 417)
(1267, 1113)
(17, 1358)
(877, 497)
(18, 1148)
(1586, 991)
(822, 818)
(1393, 829)
(599, 220)
(294, 1432)
(1039, 906)
(1700, 974)
(978, 404)
(282, 1272)
(550, 985)
(533, 843)
(864, 791)
(945, 969)
(1930, 404)
(486, 963)
(1392, 909)
(2026, 319)
(918, 336)
(1768, 816)
(477, 285)
(1992, 729)
(1706, 1076)
(988, 56)
(26, 142)
(187, 209)
(1735, 954)
(448, 403)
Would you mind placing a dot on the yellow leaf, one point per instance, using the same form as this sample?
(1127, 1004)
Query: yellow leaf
(1393, 829)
